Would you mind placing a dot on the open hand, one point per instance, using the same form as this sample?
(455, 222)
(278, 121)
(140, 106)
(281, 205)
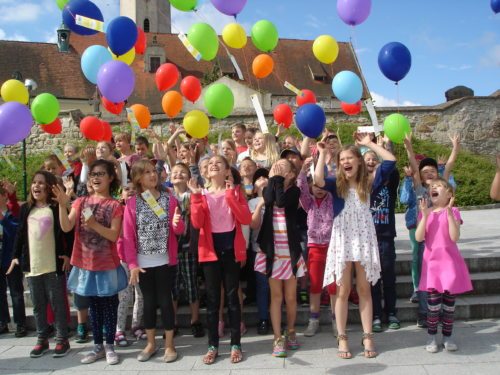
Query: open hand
(193, 186)
(60, 195)
(134, 275)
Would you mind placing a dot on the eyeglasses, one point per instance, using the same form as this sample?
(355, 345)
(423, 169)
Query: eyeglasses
(97, 174)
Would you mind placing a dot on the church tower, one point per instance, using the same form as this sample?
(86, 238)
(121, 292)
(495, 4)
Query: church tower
(152, 15)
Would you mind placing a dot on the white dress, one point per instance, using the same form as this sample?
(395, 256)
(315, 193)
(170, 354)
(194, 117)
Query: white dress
(353, 240)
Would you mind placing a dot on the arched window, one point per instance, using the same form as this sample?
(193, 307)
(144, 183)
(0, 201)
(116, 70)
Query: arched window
(146, 25)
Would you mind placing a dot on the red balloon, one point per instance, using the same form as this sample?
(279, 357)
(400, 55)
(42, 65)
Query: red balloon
(283, 115)
(91, 128)
(140, 44)
(191, 88)
(55, 127)
(167, 76)
(115, 108)
(306, 97)
(351, 109)
(107, 133)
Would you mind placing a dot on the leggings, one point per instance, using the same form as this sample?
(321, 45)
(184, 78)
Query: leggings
(103, 312)
(126, 296)
(435, 302)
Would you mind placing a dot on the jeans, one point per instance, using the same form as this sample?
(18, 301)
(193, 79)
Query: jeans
(387, 281)
(15, 283)
(262, 295)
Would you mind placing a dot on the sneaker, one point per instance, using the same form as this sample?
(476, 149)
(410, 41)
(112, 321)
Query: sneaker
(414, 297)
(377, 325)
(449, 344)
(4, 328)
(94, 355)
(82, 334)
(111, 356)
(41, 347)
(197, 329)
(243, 328)
(304, 298)
(312, 328)
(220, 328)
(21, 331)
(263, 327)
(279, 349)
(432, 346)
(121, 339)
(394, 322)
(62, 348)
(291, 341)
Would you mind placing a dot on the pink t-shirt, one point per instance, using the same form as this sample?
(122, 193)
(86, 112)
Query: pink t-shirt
(220, 214)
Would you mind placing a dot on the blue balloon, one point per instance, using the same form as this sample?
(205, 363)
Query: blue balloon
(347, 87)
(394, 61)
(310, 119)
(83, 8)
(121, 35)
(495, 6)
(92, 59)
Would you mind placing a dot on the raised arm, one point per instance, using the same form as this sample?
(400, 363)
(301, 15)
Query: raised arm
(364, 139)
(319, 171)
(455, 141)
(412, 160)
(304, 147)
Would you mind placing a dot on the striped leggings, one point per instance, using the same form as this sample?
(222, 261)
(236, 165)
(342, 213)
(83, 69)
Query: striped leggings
(440, 305)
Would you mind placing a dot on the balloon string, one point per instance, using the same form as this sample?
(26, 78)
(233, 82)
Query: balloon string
(397, 96)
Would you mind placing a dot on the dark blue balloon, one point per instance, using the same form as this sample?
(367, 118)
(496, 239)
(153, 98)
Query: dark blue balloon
(495, 5)
(394, 60)
(83, 8)
(121, 35)
(310, 119)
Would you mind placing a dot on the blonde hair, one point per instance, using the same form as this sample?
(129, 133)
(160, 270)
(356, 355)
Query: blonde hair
(270, 148)
(138, 169)
(362, 180)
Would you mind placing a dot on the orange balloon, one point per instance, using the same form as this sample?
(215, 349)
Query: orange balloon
(142, 115)
(262, 65)
(171, 103)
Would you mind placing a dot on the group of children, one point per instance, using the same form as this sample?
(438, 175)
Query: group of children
(118, 226)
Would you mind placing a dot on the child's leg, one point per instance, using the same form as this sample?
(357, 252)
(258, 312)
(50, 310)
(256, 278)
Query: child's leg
(231, 281)
(147, 282)
(342, 304)
(291, 303)
(448, 313)
(55, 288)
(97, 320)
(15, 282)
(39, 299)
(190, 271)
(316, 270)
(276, 289)
(221, 305)
(262, 295)
(138, 311)
(415, 272)
(164, 277)
(365, 298)
(422, 295)
(213, 281)
(434, 299)
(124, 298)
(387, 250)
(109, 306)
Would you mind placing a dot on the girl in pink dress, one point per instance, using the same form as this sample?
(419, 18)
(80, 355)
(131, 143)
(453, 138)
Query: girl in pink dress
(444, 272)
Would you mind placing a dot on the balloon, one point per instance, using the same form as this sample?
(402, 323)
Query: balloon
(166, 76)
(140, 44)
(204, 38)
(171, 103)
(121, 35)
(92, 60)
(283, 115)
(116, 81)
(310, 119)
(191, 88)
(55, 127)
(219, 100)
(115, 108)
(231, 8)
(325, 49)
(84, 8)
(347, 87)
(61, 3)
(307, 96)
(142, 115)
(394, 60)
(196, 124)
(495, 6)
(262, 65)
(396, 126)
(91, 128)
(13, 90)
(351, 109)
(15, 122)
(107, 132)
(354, 12)
(264, 35)
(127, 57)
(184, 5)
(234, 35)
(45, 108)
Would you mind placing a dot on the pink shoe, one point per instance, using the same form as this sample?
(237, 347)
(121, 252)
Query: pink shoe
(221, 328)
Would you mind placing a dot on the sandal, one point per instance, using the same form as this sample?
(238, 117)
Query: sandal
(139, 333)
(211, 355)
(369, 353)
(236, 354)
(120, 339)
(344, 354)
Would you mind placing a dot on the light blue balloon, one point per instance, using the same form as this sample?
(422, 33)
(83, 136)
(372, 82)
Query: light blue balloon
(92, 59)
(347, 87)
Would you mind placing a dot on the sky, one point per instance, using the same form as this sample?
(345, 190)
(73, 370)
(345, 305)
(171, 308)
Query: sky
(452, 42)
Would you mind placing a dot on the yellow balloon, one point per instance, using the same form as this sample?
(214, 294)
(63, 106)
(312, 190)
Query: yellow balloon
(127, 57)
(14, 91)
(234, 35)
(326, 49)
(196, 124)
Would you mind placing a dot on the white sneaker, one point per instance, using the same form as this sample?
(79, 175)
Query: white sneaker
(449, 344)
(432, 346)
(312, 328)
(111, 356)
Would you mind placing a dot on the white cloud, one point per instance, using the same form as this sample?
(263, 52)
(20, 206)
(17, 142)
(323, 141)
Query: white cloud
(361, 50)
(20, 12)
(15, 36)
(492, 57)
(182, 21)
(381, 101)
(312, 21)
(458, 68)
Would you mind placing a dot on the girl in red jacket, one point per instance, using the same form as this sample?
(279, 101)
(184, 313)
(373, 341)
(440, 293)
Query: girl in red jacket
(219, 212)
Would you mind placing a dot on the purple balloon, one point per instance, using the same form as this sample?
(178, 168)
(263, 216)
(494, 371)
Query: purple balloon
(354, 12)
(231, 8)
(15, 122)
(116, 81)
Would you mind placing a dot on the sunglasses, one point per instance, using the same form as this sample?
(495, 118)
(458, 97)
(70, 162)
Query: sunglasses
(97, 174)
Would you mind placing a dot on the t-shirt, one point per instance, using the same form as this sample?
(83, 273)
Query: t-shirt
(240, 149)
(42, 244)
(221, 217)
(91, 251)
(383, 204)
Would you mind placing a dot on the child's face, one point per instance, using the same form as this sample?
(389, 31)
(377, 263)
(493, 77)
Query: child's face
(237, 135)
(39, 188)
(122, 145)
(149, 178)
(247, 168)
(52, 168)
(289, 142)
(249, 139)
(102, 150)
(69, 152)
(317, 192)
(128, 191)
(141, 149)
(349, 164)
(179, 175)
(227, 151)
(204, 168)
(428, 173)
(259, 142)
(182, 153)
(333, 145)
(371, 161)
(440, 195)
(100, 180)
(217, 168)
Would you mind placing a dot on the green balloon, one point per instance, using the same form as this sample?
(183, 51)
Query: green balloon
(396, 126)
(264, 35)
(45, 108)
(62, 3)
(204, 38)
(219, 100)
(184, 5)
